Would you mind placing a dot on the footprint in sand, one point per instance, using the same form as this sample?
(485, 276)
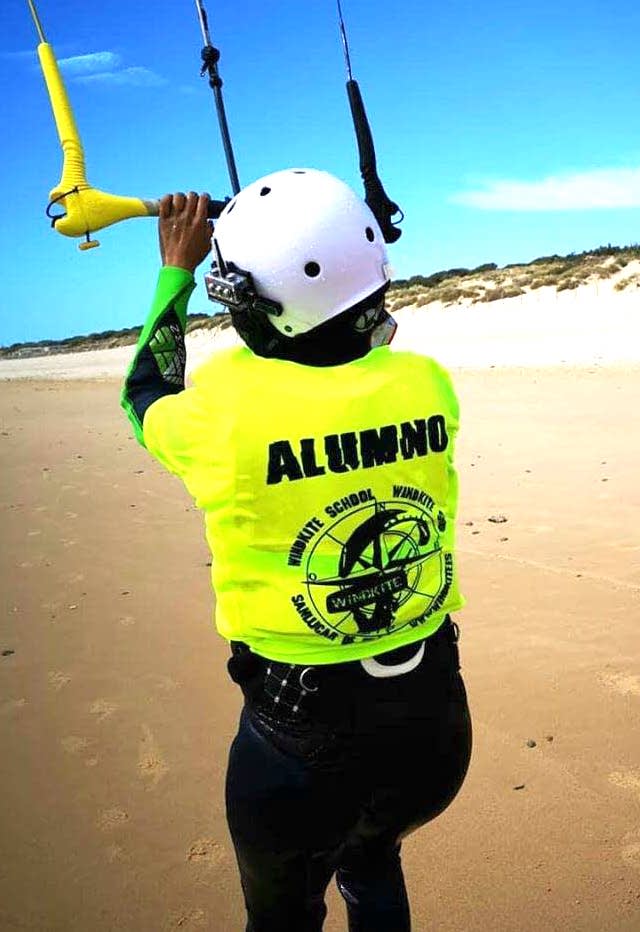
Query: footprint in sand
(206, 851)
(165, 683)
(127, 620)
(631, 854)
(57, 679)
(186, 919)
(630, 850)
(112, 818)
(627, 684)
(626, 780)
(116, 854)
(12, 706)
(151, 764)
(102, 709)
(73, 744)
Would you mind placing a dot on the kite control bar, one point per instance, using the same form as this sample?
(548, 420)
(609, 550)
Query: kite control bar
(87, 209)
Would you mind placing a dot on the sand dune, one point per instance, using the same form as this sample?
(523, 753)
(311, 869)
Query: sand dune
(116, 713)
(592, 325)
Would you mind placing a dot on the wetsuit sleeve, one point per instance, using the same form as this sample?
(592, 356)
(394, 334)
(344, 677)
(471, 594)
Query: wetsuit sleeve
(159, 362)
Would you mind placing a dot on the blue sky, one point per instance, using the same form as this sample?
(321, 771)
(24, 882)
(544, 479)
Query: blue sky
(506, 130)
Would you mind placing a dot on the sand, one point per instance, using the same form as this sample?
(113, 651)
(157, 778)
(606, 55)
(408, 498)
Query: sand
(116, 713)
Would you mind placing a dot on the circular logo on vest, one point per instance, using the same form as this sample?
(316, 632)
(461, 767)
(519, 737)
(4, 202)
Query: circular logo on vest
(370, 562)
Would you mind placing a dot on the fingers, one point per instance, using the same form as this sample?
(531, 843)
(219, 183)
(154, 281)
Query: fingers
(166, 205)
(192, 205)
(202, 209)
(179, 201)
(185, 230)
(172, 204)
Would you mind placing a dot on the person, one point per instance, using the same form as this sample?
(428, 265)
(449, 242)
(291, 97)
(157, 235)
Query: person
(324, 464)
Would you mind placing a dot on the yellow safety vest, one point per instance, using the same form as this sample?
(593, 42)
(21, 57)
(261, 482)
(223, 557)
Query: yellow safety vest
(329, 495)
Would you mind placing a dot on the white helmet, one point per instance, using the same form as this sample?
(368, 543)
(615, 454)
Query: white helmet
(308, 241)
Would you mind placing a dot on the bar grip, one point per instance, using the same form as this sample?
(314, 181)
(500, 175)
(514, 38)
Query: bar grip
(215, 208)
(87, 209)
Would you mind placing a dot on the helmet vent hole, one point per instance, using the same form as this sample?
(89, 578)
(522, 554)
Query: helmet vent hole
(312, 269)
(231, 206)
(265, 191)
(298, 172)
(370, 234)
(288, 329)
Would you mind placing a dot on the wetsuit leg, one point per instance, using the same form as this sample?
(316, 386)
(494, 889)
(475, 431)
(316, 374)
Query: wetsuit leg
(396, 756)
(287, 821)
(375, 893)
(428, 771)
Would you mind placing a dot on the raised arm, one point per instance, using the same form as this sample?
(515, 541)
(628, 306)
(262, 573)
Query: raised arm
(159, 362)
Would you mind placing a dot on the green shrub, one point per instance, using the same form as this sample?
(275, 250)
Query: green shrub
(487, 267)
(632, 281)
(513, 292)
(493, 294)
(568, 284)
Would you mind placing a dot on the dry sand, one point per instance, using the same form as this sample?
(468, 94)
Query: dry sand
(116, 713)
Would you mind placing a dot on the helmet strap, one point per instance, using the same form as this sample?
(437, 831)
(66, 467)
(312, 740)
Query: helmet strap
(348, 336)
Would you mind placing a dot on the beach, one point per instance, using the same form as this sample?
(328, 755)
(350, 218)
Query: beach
(116, 711)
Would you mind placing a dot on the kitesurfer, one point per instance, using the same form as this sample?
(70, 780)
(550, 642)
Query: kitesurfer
(355, 727)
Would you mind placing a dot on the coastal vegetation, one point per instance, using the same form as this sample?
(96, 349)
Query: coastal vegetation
(483, 284)
(489, 283)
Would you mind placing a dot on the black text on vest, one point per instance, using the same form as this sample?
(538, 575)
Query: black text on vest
(339, 453)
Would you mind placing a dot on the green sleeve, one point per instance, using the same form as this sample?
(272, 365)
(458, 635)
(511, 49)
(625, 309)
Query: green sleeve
(159, 362)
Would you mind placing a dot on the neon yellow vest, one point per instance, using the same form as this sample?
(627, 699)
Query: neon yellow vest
(329, 496)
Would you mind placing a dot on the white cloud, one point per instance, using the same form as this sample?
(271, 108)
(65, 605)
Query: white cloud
(106, 68)
(135, 76)
(600, 188)
(88, 64)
